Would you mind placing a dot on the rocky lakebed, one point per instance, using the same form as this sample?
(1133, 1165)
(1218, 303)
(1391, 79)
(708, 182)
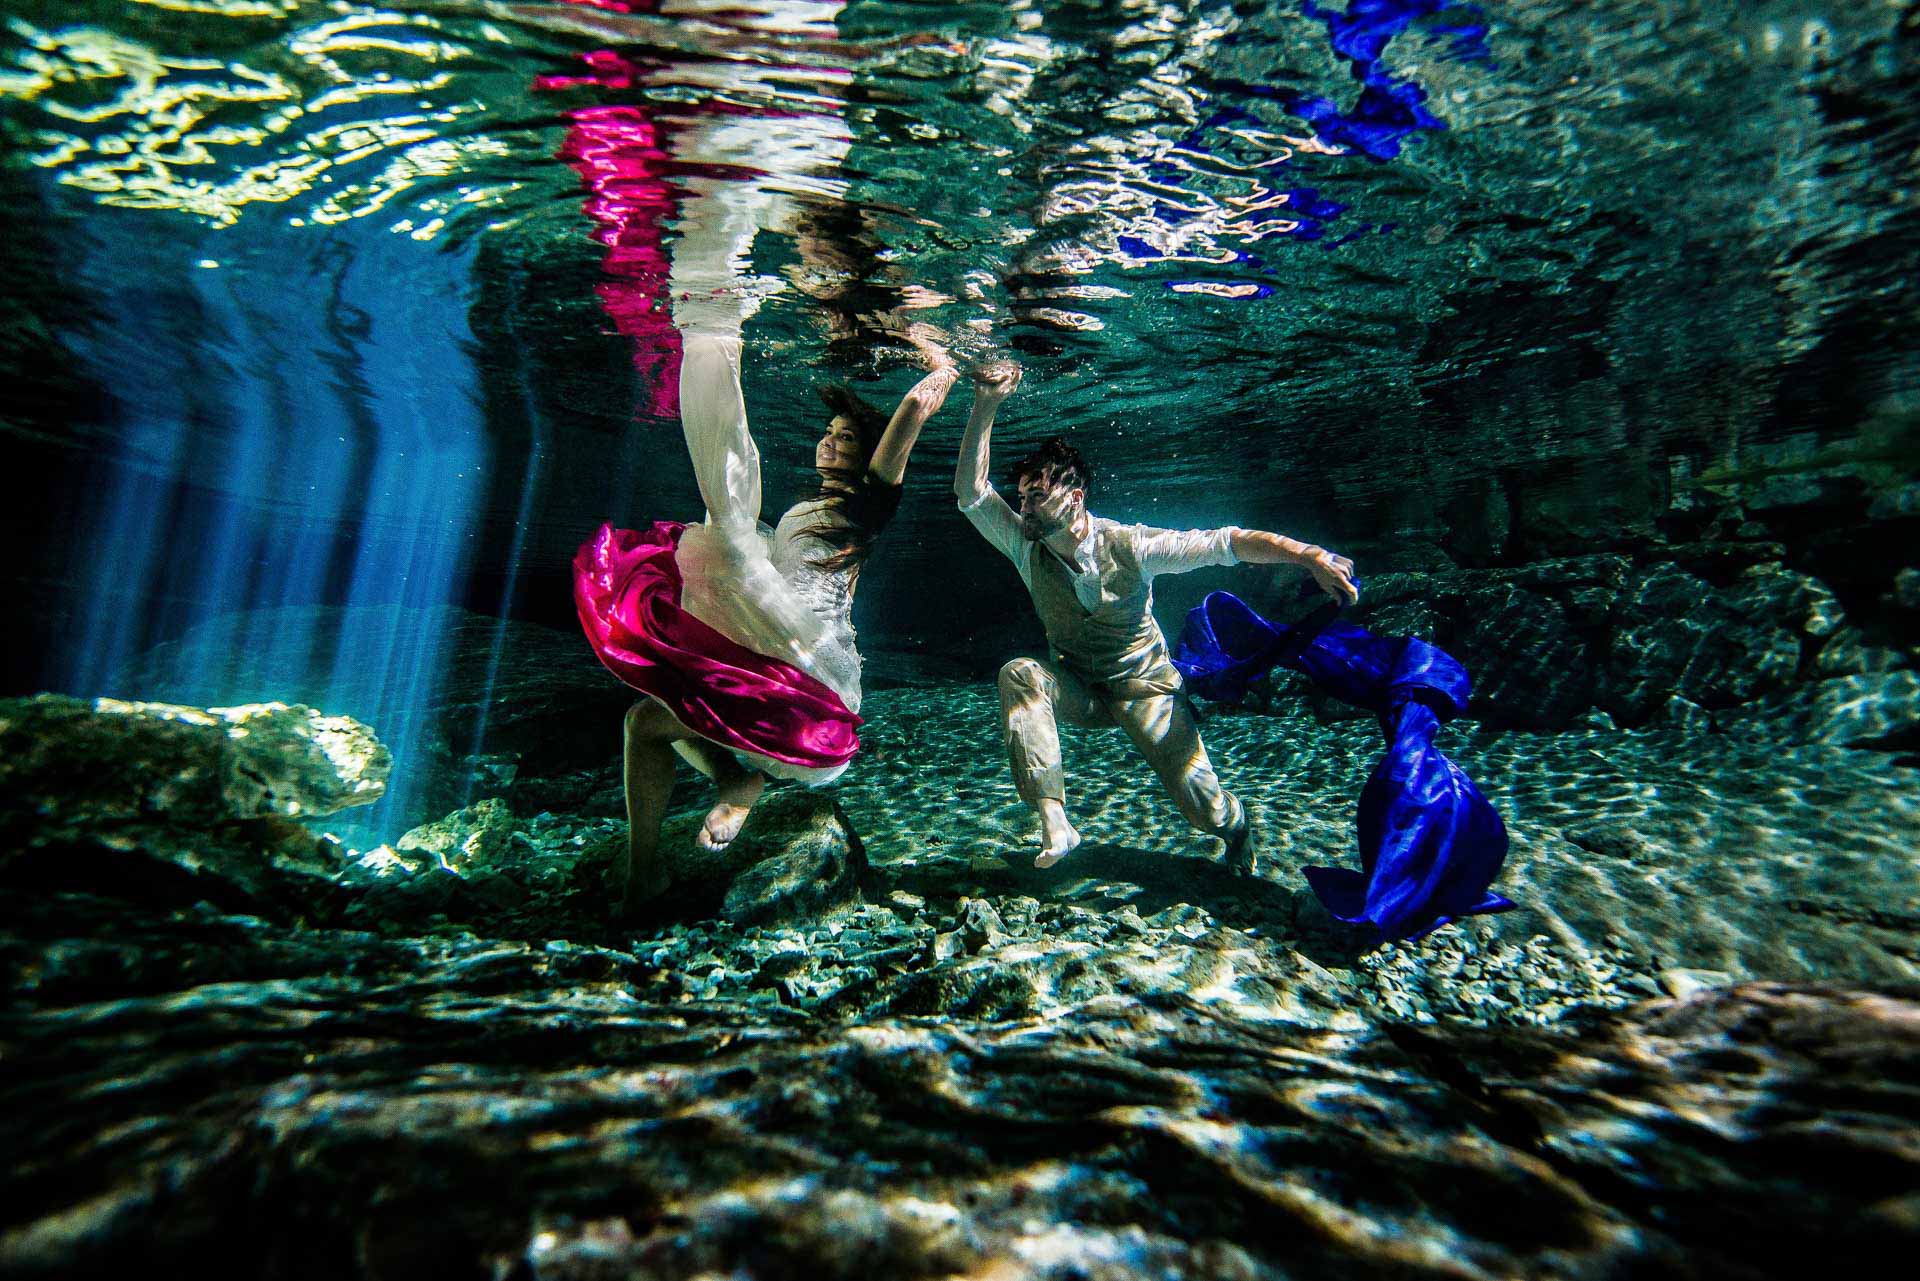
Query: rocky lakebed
(870, 1039)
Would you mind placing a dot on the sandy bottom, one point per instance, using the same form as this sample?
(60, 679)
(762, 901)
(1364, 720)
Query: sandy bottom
(1693, 851)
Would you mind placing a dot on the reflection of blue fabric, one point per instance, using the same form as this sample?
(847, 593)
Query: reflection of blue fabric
(1362, 32)
(1388, 109)
(1430, 844)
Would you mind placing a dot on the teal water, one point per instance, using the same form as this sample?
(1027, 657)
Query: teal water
(1495, 285)
(1586, 330)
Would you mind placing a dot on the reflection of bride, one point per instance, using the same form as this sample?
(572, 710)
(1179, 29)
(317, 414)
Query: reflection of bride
(741, 636)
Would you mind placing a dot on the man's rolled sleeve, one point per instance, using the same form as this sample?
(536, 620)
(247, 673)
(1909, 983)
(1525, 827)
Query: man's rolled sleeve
(996, 522)
(1175, 551)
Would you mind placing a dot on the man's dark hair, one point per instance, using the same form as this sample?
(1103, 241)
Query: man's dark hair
(1057, 463)
(858, 505)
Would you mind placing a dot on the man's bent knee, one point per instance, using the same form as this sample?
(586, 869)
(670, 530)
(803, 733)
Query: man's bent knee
(1214, 810)
(1022, 676)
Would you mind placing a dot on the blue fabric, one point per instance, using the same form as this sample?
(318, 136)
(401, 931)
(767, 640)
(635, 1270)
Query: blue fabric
(1430, 844)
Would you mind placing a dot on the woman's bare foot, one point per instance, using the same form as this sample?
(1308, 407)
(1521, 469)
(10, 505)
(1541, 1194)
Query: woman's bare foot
(729, 813)
(1056, 833)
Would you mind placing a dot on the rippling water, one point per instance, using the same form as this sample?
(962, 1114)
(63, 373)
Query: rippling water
(1215, 222)
(367, 304)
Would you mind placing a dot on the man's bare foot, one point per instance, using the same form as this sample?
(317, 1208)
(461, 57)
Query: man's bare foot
(1056, 833)
(730, 812)
(1241, 857)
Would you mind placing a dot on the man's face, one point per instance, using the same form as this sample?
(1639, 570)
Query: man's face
(1047, 507)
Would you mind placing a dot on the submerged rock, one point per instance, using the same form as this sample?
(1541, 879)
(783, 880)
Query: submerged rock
(1676, 633)
(801, 861)
(154, 798)
(530, 699)
(1531, 667)
(1873, 709)
(72, 760)
(1847, 653)
(466, 840)
(1546, 642)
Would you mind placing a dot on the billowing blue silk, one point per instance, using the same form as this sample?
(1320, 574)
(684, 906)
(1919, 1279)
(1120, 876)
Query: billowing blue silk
(1430, 844)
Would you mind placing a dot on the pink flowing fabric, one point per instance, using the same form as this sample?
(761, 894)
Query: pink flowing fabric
(626, 586)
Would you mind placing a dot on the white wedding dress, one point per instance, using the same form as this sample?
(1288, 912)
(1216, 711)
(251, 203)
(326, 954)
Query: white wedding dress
(757, 587)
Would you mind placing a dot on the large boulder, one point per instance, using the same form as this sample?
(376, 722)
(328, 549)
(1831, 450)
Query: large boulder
(797, 859)
(1677, 633)
(81, 762)
(1531, 638)
(475, 705)
(1530, 666)
(103, 793)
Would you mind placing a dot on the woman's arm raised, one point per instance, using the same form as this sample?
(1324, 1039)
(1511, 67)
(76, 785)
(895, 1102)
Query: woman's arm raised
(889, 462)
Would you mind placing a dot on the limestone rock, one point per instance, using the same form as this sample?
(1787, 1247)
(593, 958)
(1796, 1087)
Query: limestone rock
(1822, 490)
(1902, 503)
(1848, 711)
(108, 760)
(1681, 714)
(540, 702)
(980, 925)
(467, 840)
(1682, 982)
(1906, 589)
(797, 859)
(120, 797)
(1846, 653)
(1530, 668)
(1677, 633)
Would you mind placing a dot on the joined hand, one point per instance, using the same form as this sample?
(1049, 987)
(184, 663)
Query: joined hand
(995, 381)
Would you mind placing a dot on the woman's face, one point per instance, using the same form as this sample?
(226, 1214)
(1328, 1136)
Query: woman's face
(839, 449)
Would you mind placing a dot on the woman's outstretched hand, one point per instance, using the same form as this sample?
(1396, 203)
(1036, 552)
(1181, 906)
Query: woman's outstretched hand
(928, 343)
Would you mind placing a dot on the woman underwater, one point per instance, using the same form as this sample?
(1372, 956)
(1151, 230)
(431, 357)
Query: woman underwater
(739, 636)
(742, 640)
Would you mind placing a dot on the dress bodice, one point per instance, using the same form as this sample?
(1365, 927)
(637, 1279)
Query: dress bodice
(827, 593)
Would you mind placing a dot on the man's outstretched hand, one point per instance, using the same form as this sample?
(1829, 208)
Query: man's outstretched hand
(1334, 574)
(994, 383)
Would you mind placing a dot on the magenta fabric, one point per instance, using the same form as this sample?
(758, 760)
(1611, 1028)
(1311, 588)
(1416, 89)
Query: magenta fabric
(626, 585)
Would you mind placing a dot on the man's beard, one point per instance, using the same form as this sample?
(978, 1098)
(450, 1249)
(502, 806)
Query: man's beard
(1034, 526)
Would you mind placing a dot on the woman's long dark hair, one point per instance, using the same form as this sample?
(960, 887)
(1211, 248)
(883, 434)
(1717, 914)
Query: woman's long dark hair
(855, 503)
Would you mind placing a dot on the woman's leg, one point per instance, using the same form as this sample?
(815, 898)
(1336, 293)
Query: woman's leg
(711, 305)
(651, 733)
(739, 787)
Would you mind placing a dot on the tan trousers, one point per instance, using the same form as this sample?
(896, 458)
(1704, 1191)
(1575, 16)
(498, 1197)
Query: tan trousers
(1036, 696)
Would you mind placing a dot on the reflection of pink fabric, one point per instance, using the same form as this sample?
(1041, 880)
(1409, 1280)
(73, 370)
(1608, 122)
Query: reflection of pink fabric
(626, 586)
(617, 151)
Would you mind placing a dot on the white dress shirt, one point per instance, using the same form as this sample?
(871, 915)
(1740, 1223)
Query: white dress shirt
(1156, 551)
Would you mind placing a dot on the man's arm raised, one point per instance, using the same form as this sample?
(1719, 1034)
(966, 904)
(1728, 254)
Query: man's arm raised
(992, 384)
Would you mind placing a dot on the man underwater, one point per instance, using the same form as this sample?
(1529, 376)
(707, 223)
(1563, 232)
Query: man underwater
(1091, 580)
